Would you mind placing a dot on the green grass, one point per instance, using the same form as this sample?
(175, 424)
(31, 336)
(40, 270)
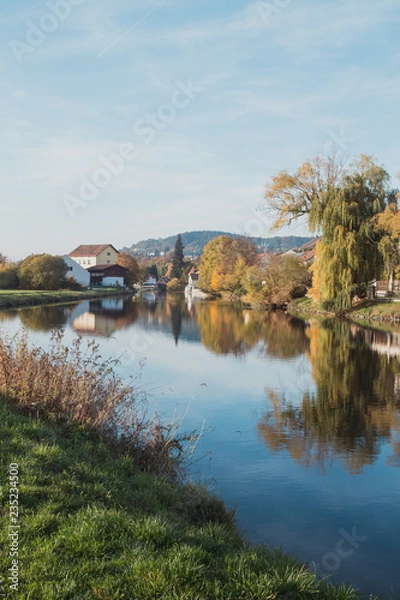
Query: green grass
(379, 310)
(20, 298)
(302, 303)
(376, 309)
(93, 526)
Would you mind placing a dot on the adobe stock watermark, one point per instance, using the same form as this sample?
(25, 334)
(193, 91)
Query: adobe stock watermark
(267, 11)
(36, 33)
(13, 527)
(257, 226)
(339, 143)
(136, 348)
(345, 547)
(146, 130)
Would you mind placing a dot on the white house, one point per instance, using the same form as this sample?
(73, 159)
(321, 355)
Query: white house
(193, 279)
(91, 255)
(191, 290)
(77, 272)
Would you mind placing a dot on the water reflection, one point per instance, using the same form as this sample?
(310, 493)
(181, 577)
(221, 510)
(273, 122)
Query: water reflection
(333, 405)
(234, 330)
(356, 405)
(354, 408)
(104, 317)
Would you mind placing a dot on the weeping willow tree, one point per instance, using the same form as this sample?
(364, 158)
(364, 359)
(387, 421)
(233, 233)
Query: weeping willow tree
(340, 205)
(349, 254)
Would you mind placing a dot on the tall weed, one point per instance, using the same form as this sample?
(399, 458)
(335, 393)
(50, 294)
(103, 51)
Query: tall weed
(76, 385)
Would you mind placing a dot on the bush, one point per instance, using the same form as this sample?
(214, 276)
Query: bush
(175, 285)
(42, 272)
(9, 279)
(72, 284)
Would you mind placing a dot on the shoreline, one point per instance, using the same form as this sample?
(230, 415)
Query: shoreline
(29, 298)
(378, 311)
(113, 512)
(141, 531)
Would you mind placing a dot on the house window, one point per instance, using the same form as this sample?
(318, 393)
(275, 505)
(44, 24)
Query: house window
(69, 269)
(108, 262)
(108, 253)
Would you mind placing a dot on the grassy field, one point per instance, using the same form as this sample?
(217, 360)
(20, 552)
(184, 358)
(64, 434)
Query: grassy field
(20, 298)
(102, 517)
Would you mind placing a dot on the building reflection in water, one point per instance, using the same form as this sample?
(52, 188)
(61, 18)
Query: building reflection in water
(103, 317)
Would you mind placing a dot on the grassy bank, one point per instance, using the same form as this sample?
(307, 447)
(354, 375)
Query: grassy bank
(98, 520)
(373, 310)
(376, 310)
(21, 298)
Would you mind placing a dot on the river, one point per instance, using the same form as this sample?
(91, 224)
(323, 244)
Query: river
(299, 419)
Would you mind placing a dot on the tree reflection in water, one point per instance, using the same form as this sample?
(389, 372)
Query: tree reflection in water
(356, 406)
(231, 329)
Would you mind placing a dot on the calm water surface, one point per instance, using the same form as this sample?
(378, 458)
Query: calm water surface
(300, 420)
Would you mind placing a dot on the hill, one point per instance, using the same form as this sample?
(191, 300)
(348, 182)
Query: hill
(194, 242)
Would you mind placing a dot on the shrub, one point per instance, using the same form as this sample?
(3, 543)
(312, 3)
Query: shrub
(175, 285)
(9, 279)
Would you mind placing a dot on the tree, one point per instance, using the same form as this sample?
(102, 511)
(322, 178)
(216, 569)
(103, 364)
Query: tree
(3, 259)
(224, 264)
(285, 278)
(177, 260)
(349, 254)
(387, 224)
(9, 279)
(291, 196)
(341, 205)
(129, 262)
(42, 272)
(152, 271)
(174, 286)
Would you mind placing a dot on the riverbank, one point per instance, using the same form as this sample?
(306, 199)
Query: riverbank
(22, 298)
(93, 526)
(369, 310)
(103, 518)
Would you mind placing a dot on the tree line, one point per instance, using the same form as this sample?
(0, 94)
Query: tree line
(353, 209)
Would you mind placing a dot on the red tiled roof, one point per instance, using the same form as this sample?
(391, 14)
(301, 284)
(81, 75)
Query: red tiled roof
(90, 249)
(307, 256)
(308, 246)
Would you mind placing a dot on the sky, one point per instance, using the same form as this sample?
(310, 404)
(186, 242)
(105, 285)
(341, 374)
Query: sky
(126, 119)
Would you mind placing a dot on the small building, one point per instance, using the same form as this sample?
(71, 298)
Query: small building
(191, 290)
(150, 282)
(108, 275)
(90, 255)
(193, 280)
(162, 284)
(74, 270)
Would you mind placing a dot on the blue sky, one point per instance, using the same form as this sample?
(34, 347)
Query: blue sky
(124, 120)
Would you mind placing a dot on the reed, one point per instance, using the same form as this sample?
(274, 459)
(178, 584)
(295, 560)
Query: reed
(75, 385)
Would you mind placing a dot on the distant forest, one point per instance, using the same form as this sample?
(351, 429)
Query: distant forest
(194, 242)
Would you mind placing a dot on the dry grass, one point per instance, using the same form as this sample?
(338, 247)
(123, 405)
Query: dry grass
(77, 386)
